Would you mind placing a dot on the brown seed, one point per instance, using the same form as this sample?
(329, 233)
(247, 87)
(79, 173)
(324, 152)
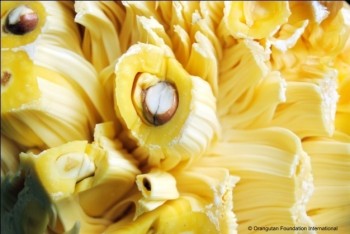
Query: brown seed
(5, 78)
(159, 103)
(21, 20)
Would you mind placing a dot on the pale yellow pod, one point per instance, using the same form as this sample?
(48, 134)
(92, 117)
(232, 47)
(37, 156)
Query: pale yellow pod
(53, 25)
(157, 185)
(200, 24)
(275, 176)
(182, 14)
(152, 32)
(21, 35)
(39, 116)
(255, 19)
(212, 11)
(259, 104)
(289, 35)
(101, 31)
(235, 80)
(329, 37)
(188, 123)
(320, 103)
(57, 104)
(115, 173)
(60, 168)
(145, 205)
(330, 157)
(203, 61)
(210, 191)
(183, 219)
(330, 160)
(342, 64)
(156, 188)
(303, 14)
(165, 9)
(145, 8)
(181, 44)
(73, 217)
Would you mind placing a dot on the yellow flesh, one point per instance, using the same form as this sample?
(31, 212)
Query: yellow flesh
(10, 40)
(22, 87)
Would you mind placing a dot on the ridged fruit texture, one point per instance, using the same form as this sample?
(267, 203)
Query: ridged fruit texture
(168, 117)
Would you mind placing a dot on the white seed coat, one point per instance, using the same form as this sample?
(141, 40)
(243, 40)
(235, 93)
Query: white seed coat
(15, 14)
(160, 98)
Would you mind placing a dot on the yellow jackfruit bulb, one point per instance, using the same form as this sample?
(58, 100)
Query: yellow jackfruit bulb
(39, 108)
(26, 23)
(259, 106)
(320, 103)
(210, 191)
(83, 78)
(71, 218)
(81, 96)
(157, 185)
(203, 61)
(343, 106)
(75, 176)
(235, 80)
(329, 37)
(288, 35)
(275, 175)
(21, 22)
(60, 168)
(303, 13)
(200, 24)
(114, 175)
(170, 114)
(144, 8)
(156, 188)
(330, 160)
(100, 20)
(212, 11)
(152, 32)
(181, 44)
(173, 217)
(255, 19)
